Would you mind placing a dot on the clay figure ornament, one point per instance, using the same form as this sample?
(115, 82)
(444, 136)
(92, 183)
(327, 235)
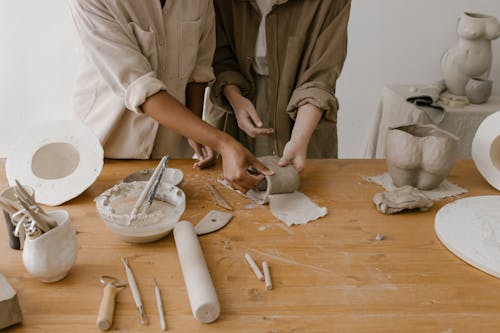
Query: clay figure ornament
(420, 155)
(471, 56)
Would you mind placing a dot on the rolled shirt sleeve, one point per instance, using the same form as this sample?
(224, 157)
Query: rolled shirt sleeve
(115, 52)
(316, 85)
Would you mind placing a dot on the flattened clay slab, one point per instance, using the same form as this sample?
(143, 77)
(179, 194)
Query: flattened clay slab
(295, 208)
(470, 229)
(406, 197)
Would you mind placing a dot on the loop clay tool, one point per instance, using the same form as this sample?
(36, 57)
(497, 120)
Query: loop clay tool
(199, 286)
(135, 291)
(106, 310)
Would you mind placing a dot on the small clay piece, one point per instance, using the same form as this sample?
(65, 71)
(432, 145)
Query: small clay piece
(267, 275)
(213, 221)
(406, 197)
(379, 237)
(50, 256)
(420, 155)
(10, 312)
(295, 208)
(171, 176)
(254, 267)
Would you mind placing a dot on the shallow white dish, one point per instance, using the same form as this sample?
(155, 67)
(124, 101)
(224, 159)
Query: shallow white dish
(171, 176)
(115, 204)
(470, 229)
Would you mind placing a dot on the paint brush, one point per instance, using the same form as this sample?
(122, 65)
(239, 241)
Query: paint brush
(142, 197)
(159, 303)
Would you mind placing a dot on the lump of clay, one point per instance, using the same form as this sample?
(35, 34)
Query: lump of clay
(406, 197)
(420, 155)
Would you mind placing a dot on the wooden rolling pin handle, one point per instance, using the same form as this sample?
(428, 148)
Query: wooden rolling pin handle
(107, 308)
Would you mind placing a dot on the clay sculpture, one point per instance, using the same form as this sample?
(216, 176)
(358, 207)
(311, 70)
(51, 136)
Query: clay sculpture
(10, 312)
(471, 56)
(478, 91)
(420, 155)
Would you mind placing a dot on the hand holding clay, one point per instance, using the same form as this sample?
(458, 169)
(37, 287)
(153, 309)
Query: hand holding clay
(236, 163)
(247, 117)
(205, 155)
(294, 154)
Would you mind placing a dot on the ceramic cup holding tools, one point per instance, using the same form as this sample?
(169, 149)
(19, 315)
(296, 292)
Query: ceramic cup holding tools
(50, 256)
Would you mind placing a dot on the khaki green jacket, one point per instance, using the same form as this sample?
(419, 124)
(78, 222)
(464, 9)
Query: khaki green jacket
(306, 49)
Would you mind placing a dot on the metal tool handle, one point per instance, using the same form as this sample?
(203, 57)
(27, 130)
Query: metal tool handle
(107, 308)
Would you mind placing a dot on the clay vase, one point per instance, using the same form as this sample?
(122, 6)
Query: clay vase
(471, 56)
(50, 256)
(420, 155)
(478, 91)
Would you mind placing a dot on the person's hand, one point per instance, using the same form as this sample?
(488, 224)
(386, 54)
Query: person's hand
(295, 154)
(205, 155)
(236, 162)
(247, 117)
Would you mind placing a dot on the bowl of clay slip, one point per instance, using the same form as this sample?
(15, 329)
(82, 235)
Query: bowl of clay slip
(115, 204)
(420, 155)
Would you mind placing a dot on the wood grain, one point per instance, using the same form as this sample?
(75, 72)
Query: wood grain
(328, 276)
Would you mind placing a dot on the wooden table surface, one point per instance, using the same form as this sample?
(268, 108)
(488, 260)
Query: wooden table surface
(329, 276)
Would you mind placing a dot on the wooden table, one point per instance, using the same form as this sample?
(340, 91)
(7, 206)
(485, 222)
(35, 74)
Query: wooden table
(329, 276)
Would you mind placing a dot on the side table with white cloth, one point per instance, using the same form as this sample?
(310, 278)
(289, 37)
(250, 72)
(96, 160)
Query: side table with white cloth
(394, 110)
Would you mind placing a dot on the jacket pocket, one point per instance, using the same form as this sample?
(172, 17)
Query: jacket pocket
(189, 44)
(146, 40)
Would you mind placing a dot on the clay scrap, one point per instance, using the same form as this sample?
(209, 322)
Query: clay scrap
(10, 312)
(406, 197)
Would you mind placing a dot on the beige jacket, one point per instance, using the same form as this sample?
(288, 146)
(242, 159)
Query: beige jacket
(132, 49)
(306, 49)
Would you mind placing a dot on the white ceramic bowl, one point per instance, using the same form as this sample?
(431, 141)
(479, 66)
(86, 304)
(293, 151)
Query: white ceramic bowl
(148, 227)
(171, 176)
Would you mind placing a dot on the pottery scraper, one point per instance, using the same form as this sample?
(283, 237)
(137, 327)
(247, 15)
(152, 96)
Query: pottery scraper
(213, 221)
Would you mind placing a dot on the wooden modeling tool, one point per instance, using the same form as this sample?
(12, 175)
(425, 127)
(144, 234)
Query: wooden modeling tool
(219, 200)
(146, 191)
(213, 221)
(159, 304)
(254, 267)
(135, 292)
(107, 308)
(154, 188)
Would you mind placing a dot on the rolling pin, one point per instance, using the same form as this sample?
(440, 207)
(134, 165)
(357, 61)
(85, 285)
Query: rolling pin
(200, 288)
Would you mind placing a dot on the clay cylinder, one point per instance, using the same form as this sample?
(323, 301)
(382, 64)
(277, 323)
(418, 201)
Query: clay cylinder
(200, 288)
(284, 180)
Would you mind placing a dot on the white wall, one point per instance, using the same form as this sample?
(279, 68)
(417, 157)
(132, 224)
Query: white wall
(37, 65)
(390, 42)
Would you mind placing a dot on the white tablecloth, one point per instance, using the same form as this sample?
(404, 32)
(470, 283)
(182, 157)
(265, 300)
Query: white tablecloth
(394, 110)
